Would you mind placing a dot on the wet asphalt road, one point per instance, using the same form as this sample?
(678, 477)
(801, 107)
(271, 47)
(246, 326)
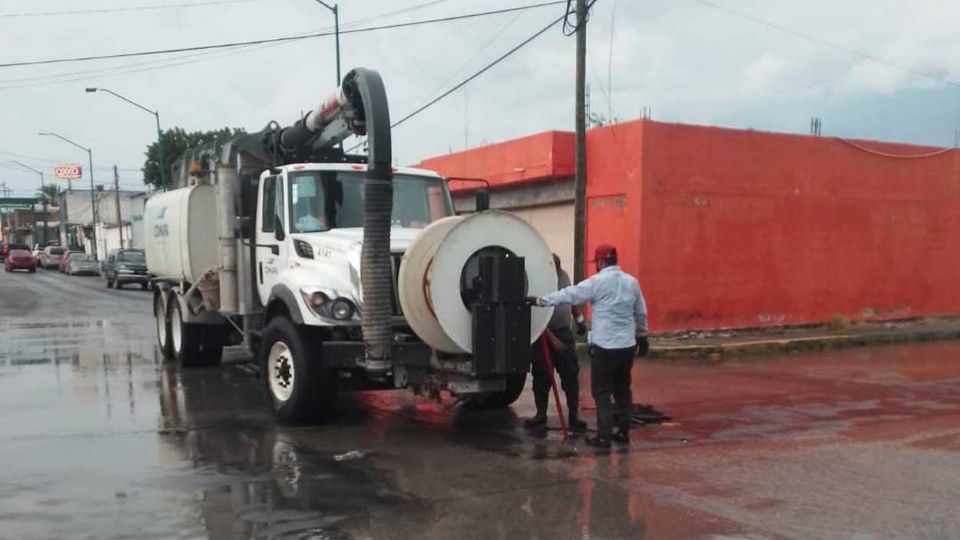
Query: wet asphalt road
(101, 439)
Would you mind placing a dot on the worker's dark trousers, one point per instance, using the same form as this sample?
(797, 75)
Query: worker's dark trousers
(566, 364)
(610, 384)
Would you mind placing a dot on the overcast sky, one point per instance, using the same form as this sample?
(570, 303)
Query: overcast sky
(688, 60)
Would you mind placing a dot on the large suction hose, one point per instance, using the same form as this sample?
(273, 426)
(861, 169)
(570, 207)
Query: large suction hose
(375, 268)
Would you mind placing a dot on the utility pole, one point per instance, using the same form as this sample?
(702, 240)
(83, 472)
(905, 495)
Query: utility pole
(580, 180)
(43, 194)
(335, 9)
(116, 191)
(93, 197)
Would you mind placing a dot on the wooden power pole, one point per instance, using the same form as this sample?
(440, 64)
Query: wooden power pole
(580, 180)
(116, 191)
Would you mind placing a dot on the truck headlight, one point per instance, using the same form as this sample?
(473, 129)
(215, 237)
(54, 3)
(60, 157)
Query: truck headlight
(328, 304)
(315, 300)
(342, 309)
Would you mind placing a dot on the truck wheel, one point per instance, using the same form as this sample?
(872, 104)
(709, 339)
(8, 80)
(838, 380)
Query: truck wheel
(163, 328)
(298, 388)
(184, 338)
(499, 400)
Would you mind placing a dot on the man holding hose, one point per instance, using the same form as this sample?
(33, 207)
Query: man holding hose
(619, 328)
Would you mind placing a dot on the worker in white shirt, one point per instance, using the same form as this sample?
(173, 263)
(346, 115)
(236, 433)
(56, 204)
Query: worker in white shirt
(619, 328)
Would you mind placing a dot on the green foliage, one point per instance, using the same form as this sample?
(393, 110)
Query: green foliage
(176, 141)
(50, 191)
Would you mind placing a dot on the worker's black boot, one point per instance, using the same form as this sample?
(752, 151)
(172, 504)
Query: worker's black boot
(540, 419)
(576, 424)
(621, 437)
(598, 442)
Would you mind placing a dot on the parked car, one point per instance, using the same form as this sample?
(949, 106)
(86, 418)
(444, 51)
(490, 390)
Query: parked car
(64, 260)
(19, 259)
(50, 258)
(126, 266)
(82, 264)
(37, 251)
(7, 248)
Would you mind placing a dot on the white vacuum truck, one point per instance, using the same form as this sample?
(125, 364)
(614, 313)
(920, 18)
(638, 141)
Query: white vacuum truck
(341, 272)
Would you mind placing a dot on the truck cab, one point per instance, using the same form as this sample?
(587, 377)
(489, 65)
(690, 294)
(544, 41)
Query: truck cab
(309, 235)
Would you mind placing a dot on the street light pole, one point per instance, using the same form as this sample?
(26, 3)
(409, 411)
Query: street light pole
(156, 114)
(336, 31)
(43, 193)
(93, 197)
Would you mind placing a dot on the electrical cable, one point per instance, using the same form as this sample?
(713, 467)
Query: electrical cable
(201, 56)
(895, 156)
(277, 39)
(466, 81)
(120, 9)
(821, 41)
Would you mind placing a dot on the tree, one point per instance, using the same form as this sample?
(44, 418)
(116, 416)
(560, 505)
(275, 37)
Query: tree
(49, 191)
(175, 142)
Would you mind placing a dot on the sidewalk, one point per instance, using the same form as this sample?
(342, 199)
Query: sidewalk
(720, 344)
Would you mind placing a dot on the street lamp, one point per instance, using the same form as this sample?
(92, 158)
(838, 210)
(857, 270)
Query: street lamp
(156, 115)
(43, 193)
(336, 31)
(93, 196)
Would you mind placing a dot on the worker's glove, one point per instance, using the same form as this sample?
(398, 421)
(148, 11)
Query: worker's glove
(533, 301)
(581, 326)
(643, 345)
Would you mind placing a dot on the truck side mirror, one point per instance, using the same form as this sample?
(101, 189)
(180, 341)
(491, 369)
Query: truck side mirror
(278, 229)
(482, 197)
(243, 227)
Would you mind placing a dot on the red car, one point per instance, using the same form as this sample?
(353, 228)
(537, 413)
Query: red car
(20, 259)
(64, 262)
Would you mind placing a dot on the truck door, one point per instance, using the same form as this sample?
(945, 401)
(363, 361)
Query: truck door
(271, 229)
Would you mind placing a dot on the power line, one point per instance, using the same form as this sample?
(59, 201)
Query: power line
(466, 81)
(278, 39)
(483, 70)
(185, 59)
(827, 43)
(120, 9)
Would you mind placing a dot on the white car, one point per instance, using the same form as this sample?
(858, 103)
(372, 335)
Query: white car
(82, 264)
(50, 257)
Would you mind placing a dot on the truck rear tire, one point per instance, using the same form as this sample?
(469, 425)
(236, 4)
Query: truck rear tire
(298, 388)
(499, 400)
(163, 328)
(186, 339)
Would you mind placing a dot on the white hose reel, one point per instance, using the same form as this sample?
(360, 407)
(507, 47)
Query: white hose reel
(432, 267)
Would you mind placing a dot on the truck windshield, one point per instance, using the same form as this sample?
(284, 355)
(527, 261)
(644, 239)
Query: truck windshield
(324, 200)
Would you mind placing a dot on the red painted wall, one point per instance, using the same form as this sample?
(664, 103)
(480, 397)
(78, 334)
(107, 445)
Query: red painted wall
(734, 228)
(742, 228)
(529, 159)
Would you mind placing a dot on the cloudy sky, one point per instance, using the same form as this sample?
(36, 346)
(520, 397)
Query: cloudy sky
(875, 69)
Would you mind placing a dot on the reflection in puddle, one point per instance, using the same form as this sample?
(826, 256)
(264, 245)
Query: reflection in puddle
(261, 480)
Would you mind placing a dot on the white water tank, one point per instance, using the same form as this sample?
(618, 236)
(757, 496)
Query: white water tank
(181, 233)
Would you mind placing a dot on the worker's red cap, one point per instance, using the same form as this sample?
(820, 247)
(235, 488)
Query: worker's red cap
(604, 252)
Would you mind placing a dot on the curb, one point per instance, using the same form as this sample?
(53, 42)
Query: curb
(772, 347)
(799, 344)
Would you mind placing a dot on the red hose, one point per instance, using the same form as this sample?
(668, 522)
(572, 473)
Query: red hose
(548, 360)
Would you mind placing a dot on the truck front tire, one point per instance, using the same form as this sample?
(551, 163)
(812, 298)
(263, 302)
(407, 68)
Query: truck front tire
(298, 387)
